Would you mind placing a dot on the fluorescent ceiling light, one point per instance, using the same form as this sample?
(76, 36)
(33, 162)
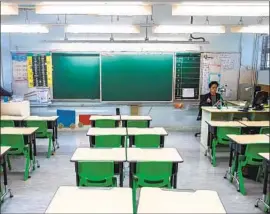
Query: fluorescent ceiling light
(102, 29)
(9, 9)
(116, 8)
(24, 29)
(262, 29)
(221, 9)
(181, 29)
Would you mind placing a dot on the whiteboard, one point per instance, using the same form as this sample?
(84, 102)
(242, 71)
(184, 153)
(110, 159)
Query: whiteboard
(221, 67)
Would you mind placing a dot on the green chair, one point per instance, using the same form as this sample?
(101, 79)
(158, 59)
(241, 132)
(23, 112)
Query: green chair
(7, 123)
(147, 141)
(265, 130)
(42, 132)
(105, 123)
(151, 174)
(250, 157)
(137, 124)
(222, 139)
(18, 147)
(96, 174)
(108, 141)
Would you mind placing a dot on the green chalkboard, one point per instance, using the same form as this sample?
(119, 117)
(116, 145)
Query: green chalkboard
(145, 77)
(76, 76)
(187, 74)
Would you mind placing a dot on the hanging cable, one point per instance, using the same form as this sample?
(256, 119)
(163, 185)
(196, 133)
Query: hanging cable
(146, 30)
(191, 37)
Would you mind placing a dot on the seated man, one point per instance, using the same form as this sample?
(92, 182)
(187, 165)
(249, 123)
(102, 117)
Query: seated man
(210, 98)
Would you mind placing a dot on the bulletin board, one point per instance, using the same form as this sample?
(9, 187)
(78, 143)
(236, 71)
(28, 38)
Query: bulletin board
(223, 68)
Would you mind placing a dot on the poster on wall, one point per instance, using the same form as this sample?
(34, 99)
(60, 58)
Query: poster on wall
(19, 66)
(39, 70)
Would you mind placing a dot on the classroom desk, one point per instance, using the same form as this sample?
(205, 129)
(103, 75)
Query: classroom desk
(69, 199)
(254, 126)
(266, 203)
(18, 120)
(29, 135)
(237, 147)
(227, 114)
(157, 200)
(4, 150)
(117, 155)
(94, 118)
(93, 132)
(52, 124)
(126, 118)
(135, 155)
(133, 132)
(212, 132)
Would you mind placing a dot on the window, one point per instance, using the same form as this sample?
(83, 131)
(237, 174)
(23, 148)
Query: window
(265, 63)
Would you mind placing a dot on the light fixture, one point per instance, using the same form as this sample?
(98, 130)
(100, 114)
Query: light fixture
(9, 9)
(94, 8)
(221, 9)
(188, 29)
(261, 29)
(26, 28)
(102, 29)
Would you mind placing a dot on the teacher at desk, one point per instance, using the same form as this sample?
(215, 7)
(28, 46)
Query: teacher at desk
(210, 98)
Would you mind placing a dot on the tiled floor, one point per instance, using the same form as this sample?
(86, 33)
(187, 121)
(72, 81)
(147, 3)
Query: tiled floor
(34, 195)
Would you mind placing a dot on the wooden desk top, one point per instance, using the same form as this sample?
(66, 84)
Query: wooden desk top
(255, 123)
(4, 149)
(230, 109)
(156, 200)
(71, 199)
(130, 117)
(38, 118)
(14, 118)
(225, 123)
(105, 117)
(18, 130)
(265, 155)
(106, 131)
(147, 131)
(155, 154)
(249, 138)
(102, 154)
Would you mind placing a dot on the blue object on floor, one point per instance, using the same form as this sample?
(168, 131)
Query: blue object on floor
(66, 117)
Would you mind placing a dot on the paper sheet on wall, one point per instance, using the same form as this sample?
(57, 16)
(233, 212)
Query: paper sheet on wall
(19, 67)
(188, 92)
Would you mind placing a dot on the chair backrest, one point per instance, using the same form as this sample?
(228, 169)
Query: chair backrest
(42, 126)
(252, 150)
(265, 130)
(7, 123)
(108, 141)
(96, 173)
(137, 124)
(105, 123)
(147, 141)
(154, 174)
(222, 133)
(16, 142)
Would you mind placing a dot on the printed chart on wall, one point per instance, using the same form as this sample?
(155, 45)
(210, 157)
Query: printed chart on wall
(39, 70)
(223, 68)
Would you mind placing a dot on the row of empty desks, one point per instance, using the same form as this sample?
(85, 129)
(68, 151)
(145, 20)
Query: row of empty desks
(130, 132)
(4, 150)
(244, 125)
(117, 118)
(119, 200)
(20, 120)
(131, 155)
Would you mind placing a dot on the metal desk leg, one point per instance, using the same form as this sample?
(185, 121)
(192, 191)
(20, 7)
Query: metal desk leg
(162, 141)
(230, 162)
(56, 134)
(5, 179)
(121, 174)
(131, 172)
(77, 174)
(263, 200)
(35, 161)
(175, 171)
